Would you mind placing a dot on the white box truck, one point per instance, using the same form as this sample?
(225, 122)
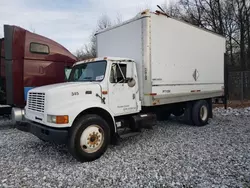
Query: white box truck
(148, 67)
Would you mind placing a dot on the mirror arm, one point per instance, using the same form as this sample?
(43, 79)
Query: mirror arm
(118, 82)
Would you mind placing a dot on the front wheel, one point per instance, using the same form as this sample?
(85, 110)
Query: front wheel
(89, 138)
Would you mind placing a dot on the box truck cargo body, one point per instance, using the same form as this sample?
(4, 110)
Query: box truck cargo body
(148, 68)
(176, 61)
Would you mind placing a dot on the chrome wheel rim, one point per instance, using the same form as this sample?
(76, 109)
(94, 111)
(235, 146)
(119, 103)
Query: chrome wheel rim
(203, 113)
(92, 139)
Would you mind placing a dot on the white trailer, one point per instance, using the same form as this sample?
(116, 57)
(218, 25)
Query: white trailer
(159, 66)
(176, 61)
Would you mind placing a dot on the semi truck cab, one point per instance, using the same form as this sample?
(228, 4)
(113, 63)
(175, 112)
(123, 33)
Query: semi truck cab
(29, 60)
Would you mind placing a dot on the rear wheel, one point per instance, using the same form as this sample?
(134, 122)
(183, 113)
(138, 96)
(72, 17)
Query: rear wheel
(200, 113)
(89, 138)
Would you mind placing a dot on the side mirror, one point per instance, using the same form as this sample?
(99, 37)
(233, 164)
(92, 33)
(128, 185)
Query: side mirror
(130, 74)
(131, 82)
(130, 70)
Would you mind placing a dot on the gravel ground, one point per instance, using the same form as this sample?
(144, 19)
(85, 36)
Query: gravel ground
(171, 155)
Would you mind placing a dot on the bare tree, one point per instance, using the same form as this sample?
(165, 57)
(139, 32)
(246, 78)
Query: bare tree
(230, 30)
(89, 50)
(103, 23)
(172, 9)
(118, 18)
(239, 13)
(248, 32)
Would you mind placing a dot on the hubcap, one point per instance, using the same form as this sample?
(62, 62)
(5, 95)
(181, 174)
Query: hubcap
(92, 138)
(203, 113)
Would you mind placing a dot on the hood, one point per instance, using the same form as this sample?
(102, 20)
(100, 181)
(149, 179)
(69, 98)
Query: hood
(63, 86)
(63, 94)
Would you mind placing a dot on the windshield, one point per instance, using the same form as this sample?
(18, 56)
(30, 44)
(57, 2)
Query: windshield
(93, 71)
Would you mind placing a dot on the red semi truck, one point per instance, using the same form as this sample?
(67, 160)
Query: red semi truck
(29, 60)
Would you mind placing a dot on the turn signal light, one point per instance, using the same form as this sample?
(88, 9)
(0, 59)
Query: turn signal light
(62, 119)
(58, 119)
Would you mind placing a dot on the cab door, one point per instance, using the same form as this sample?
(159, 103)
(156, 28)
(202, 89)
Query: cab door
(123, 96)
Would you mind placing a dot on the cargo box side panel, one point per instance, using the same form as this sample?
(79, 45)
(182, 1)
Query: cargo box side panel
(185, 60)
(124, 41)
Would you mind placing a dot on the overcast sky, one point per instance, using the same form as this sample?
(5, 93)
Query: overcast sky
(69, 22)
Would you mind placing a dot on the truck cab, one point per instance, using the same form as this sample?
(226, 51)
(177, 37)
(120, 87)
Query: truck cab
(98, 95)
(104, 83)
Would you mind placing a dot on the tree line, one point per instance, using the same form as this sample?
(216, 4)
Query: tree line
(230, 18)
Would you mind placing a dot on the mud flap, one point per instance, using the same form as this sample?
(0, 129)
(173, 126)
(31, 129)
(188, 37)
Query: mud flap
(188, 113)
(210, 105)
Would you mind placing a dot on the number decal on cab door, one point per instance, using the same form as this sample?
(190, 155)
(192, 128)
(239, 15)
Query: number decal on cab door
(74, 93)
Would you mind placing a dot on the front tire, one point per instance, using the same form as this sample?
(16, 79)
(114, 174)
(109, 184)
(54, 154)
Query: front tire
(200, 113)
(89, 138)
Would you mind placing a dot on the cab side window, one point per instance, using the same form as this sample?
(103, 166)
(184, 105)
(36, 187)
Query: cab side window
(118, 73)
(39, 48)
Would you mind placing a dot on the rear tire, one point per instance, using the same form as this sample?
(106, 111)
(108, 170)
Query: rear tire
(200, 113)
(89, 138)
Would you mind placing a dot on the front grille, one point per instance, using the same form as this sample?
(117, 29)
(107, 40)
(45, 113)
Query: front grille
(36, 101)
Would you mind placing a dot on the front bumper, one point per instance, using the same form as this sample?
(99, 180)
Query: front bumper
(55, 135)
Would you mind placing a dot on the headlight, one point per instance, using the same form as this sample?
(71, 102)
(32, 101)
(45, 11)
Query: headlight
(58, 119)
